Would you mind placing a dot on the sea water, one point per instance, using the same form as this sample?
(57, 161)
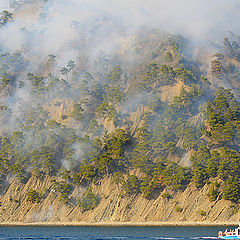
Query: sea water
(107, 233)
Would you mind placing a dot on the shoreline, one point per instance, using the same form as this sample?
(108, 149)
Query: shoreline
(121, 224)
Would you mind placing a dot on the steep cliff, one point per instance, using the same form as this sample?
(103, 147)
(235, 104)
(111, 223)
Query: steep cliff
(189, 206)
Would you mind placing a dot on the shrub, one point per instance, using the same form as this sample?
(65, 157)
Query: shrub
(202, 212)
(234, 208)
(64, 117)
(166, 195)
(178, 208)
(34, 196)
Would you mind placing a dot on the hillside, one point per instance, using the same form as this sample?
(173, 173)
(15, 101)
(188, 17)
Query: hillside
(191, 205)
(144, 127)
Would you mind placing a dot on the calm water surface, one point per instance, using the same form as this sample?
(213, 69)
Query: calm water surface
(108, 233)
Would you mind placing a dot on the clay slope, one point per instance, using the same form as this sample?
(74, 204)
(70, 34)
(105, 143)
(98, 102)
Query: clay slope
(191, 205)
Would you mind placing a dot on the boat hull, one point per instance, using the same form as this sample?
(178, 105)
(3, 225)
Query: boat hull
(230, 237)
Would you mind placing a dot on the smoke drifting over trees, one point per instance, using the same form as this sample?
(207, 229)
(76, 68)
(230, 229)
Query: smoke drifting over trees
(96, 88)
(61, 22)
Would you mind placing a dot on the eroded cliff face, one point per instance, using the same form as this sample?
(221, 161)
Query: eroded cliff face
(191, 205)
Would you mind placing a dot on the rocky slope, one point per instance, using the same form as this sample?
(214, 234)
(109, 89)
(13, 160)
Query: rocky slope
(189, 206)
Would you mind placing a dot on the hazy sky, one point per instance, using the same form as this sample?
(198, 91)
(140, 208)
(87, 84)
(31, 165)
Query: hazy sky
(198, 19)
(3, 4)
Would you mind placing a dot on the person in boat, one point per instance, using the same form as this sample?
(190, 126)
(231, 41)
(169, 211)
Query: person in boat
(229, 232)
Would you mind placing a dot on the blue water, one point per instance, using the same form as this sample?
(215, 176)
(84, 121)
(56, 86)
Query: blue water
(108, 233)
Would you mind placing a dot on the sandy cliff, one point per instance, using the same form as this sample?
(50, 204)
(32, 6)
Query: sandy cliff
(189, 206)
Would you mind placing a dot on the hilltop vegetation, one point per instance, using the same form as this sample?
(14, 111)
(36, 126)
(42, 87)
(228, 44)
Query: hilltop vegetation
(190, 136)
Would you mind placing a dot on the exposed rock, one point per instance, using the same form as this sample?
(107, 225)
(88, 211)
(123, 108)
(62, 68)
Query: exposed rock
(113, 207)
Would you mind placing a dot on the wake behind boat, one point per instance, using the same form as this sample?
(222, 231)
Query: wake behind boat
(230, 234)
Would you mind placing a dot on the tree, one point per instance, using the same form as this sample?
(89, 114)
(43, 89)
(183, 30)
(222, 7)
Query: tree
(230, 164)
(70, 65)
(5, 80)
(213, 192)
(48, 159)
(223, 132)
(93, 126)
(163, 140)
(231, 190)
(5, 16)
(186, 75)
(114, 95)
(88, 200)
(132, 185)
(200, 176)
(51, 61)
(115, 75)
(36, 81)
(213, 164)
(111, 157)
(86, 174)
(106, 110)
(63, 188)
(167, 75)
(223, 99)
(176, 176)
(118, 179)
(65, 70)
(77, 112)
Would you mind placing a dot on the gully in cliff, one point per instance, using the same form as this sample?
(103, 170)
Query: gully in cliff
(230, 234)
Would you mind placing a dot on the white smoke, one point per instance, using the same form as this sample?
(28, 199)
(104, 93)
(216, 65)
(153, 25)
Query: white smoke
(4, 5)
(77, 29)
(54, 30)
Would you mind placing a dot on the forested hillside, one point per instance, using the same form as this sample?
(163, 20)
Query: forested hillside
(156, 114)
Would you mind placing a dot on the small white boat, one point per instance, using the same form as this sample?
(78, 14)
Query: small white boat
(230, 234)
